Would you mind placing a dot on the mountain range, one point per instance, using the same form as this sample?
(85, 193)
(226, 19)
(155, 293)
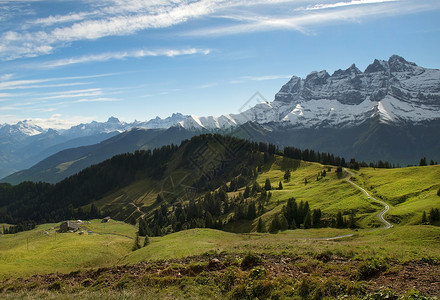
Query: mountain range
(390, 111)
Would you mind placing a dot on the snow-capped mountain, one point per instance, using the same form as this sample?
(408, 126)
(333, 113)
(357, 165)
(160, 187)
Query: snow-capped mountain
(161, 123)
(22, 128)
(25, 143)
(395, 91)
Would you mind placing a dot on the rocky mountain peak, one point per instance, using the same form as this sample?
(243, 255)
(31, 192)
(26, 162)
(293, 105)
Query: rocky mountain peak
(113, 120)
(376, 66)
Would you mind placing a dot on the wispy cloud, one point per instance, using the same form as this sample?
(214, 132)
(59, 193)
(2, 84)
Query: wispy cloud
(123, 55)
(344, 4)
(105, 18)
(59, 121)
(304, 19)
(43, 83)
(77, 94)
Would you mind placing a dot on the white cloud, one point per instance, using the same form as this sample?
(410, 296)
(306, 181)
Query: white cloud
(72, 17)
(103, 99)
(5, 77)
(37, 83)
(305, 20)
(343, 4)
(58, 121)
(122, 55)
(104, 18)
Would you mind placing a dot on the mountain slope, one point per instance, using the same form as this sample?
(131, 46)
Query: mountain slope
(70, 161)
(396, 91)
(24, 144)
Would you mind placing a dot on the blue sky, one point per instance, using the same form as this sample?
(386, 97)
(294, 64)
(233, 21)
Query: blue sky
(64, 62)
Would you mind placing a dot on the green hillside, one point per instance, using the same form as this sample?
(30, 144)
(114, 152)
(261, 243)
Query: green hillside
(42, 250)
(201, 202)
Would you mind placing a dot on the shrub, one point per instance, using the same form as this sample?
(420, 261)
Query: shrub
(56, 286)
(125, 282)
(257, 273)
(371, 268)
(250, 260)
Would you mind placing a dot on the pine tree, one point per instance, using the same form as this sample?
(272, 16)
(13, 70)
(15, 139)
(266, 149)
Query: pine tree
(308, 221)
(284, 225)
(267, 185)
(424, 218)
(287, 175)
(142, 227)
(280, 186)
(136, 244)
(352, 221)
(246, 193)
(422, 161)
(255, 189)
(293, 224)
(316, 218)
(339, 220)
(209, 221)
(146, 241)
(275, 225)
(261, 227)
(251, 211)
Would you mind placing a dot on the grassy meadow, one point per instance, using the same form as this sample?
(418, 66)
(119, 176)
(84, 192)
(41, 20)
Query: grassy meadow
(408, 191)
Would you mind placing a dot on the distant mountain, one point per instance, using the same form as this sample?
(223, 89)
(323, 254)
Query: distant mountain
(24, 144)
(70, 161)
(396, 91)
(390, 111)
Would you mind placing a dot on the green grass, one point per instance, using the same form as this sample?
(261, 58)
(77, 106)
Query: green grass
(409, 191)
(403, 243)
(33, 252)
(331, 194)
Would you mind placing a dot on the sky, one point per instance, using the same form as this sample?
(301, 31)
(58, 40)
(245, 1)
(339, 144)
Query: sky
(64, 62)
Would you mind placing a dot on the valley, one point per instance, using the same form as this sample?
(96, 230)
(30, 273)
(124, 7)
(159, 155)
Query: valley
(197, 261)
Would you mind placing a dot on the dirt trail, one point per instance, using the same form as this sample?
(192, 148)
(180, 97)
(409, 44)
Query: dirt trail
(380, 215)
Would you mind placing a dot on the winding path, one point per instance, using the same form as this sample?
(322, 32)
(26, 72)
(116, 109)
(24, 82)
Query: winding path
(380, 215)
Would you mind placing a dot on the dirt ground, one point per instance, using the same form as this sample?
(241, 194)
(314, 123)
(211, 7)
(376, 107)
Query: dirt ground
(399, 277)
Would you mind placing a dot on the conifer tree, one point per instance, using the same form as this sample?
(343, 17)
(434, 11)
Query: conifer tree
(308, 221)
(261, 227)
(146, 241)
(136, 244)
(209, 221)
(267, 185)
(284, 225)
(287, 175)
(246, 193)
(339, 220)
(293, 224)
(275, 225)
(351, 220)
(424, 218)
(280, 186)
(251, 211)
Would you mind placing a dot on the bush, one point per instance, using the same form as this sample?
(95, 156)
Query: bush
(371, 268)
(257, 273)
(56, 286)
(250, 260)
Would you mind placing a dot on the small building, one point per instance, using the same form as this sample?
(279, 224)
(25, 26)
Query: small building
(105, 220)
(68, 226)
